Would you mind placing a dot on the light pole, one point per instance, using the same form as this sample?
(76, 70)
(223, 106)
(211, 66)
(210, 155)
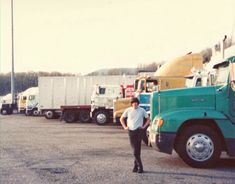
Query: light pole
(12, 59)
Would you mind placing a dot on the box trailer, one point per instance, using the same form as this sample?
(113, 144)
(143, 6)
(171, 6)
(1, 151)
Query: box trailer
(72, 92)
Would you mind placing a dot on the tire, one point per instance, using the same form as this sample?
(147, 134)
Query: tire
(70, 116)
(28, 113)
(4, 111)
(49, 114)
(9, 111)
(101, 117)
(199, 146)
(84, 116)
(35, 112)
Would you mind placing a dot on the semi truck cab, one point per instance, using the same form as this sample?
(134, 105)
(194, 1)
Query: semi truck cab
(102, 102)
(168, 76)
(198, 123)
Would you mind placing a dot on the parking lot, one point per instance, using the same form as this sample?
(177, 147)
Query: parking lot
(39, 151)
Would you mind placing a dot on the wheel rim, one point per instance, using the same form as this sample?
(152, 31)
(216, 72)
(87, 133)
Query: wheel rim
(49, 114)
(200, 147)
(101, 118)
(35, 113)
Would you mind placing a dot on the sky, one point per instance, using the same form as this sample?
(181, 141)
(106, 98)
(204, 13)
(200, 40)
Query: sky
(80, 36)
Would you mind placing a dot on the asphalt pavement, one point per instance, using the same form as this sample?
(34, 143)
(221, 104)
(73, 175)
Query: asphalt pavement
(35, 150)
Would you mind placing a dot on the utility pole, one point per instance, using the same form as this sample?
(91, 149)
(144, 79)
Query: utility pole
(12, 59)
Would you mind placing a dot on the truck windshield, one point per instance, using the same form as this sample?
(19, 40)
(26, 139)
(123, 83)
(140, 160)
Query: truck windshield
(141, 86)
(31, 97)
(101, 91)
(136, 84)
(151, 86)
(222, 75)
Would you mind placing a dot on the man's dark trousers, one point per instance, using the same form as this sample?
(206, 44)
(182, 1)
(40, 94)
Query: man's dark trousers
(135, 140)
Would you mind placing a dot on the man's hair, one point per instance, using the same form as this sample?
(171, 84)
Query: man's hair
(134, 99)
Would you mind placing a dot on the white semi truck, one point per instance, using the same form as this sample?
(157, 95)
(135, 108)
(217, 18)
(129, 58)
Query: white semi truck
(32, 100)
(71, 96)
(28, 101)
(6, 105)
(101, 108)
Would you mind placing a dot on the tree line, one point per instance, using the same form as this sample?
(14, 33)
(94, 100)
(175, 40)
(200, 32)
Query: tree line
(24, 80)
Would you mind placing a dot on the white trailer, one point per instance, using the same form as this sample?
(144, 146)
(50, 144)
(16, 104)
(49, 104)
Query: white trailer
(73, 92)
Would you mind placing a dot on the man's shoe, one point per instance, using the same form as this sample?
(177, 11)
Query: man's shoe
(140, 171)
(135, 169)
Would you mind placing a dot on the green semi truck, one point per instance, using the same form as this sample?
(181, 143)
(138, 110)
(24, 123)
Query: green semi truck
(199, 122)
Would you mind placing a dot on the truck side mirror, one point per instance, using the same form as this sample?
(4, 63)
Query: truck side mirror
(232, 84)
(232, 75)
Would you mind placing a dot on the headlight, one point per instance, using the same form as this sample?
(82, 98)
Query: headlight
(158, 122)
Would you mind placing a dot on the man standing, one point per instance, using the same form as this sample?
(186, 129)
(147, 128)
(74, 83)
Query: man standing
(136, 126)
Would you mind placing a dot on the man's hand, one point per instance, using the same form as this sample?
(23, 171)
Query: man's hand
(146, 123)
(123, 123)
(126, 128)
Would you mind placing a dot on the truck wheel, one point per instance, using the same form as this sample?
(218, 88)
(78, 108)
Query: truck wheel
(70, 116)
(199, 146)
(35, 112)
(9, 111)
(101, 117)
(84, 116)
(27, 113)
(49, 115)
(3, 111)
